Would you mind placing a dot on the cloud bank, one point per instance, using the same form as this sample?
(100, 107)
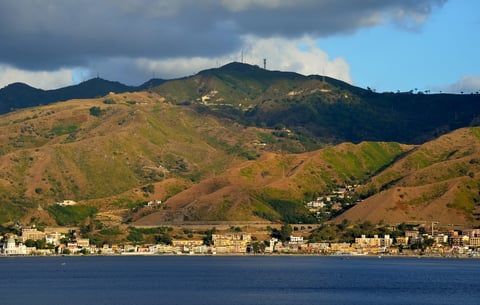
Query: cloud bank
(108, 36)
(467, 84)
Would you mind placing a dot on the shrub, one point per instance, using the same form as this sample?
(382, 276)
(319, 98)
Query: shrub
(96, 111)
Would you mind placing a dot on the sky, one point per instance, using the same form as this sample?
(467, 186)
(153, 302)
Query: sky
(385, 45)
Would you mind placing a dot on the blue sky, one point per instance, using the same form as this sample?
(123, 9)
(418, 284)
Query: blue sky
(387, 45)
(434, 57)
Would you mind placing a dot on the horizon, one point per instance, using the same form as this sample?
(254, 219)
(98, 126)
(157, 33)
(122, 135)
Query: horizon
(415, 91)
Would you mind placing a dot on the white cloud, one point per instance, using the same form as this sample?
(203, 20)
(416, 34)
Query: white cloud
(300, 55)
(37, 79)
(47, 35)
(467, 84)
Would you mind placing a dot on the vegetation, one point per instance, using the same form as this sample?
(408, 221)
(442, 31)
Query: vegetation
(71, 215)
(234, 143)
(96, 111)
(347, 232)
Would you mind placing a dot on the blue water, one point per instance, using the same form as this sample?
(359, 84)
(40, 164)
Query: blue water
(238, 280)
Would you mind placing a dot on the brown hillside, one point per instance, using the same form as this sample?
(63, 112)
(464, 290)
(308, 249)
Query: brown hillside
(439, 181)
(252, 188)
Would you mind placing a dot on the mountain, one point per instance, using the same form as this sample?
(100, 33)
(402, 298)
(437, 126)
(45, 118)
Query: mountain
(238, 143)
(19, 95)
(115, 153)
(327, 109)
(437, 181)
(98, 149)
(314, 107)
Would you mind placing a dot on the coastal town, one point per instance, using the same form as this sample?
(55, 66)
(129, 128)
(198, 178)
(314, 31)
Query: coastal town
(237, 241)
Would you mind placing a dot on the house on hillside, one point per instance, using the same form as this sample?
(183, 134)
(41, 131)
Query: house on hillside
(66, 203)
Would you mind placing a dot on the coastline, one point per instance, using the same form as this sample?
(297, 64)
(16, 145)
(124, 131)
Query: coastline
(343, 256)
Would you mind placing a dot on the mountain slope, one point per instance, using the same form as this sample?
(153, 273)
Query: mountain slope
(438, 182)
(313, 107)
(117, 152)
(239, 143)
(276, 186)
(325, 108)
(18, 95)
(99, 148)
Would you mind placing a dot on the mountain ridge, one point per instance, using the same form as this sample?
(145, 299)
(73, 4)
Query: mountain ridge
(240, 143)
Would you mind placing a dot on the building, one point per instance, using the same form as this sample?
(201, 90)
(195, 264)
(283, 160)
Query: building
(374, 241)
(231, 243)
(402, 240)
(66, 203)
(32, 234)
(54, 238)
(83, 242)
(296, 239)
(474, 242)
(10, 248)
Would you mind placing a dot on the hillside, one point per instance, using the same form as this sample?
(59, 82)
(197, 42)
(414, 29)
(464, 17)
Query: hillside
(438, 181)
(238, 143)
(276, 186)
(326, 110)
(119, 144)
(113, 154)
(19, 95)
(321, 107)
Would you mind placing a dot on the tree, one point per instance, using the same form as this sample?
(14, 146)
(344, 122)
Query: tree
(207, 240)
(164, 239)
(258, 247)
(285, 232)
(135, 236)
(96, 111)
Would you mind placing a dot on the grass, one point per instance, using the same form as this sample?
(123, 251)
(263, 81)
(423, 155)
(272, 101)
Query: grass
(71, 215)
(434, 192)
(63, 129)
(361, 161)
(476, 132)
(466, 197)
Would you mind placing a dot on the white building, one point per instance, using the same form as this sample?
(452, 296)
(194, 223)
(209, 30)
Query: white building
(66, 203)
(53, 238)
(296, 239)
(10, 248)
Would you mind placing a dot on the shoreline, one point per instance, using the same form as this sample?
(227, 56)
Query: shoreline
(387, 256)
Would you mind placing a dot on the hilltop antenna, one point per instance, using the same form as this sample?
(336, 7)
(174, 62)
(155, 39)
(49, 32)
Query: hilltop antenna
(265, 63)
(242, 56)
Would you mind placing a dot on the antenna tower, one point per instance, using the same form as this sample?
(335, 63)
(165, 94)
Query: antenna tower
(265, 63)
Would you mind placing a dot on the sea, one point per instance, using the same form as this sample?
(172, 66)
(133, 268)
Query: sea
(212, 280)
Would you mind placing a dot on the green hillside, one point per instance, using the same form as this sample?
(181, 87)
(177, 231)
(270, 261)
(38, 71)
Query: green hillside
(438, 181)
(327, 109)
(240, 143)
(100, 148)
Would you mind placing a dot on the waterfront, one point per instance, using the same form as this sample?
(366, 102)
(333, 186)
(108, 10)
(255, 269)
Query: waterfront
(238, 280)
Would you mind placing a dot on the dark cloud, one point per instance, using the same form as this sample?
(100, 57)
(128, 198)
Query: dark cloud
(48, 34)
